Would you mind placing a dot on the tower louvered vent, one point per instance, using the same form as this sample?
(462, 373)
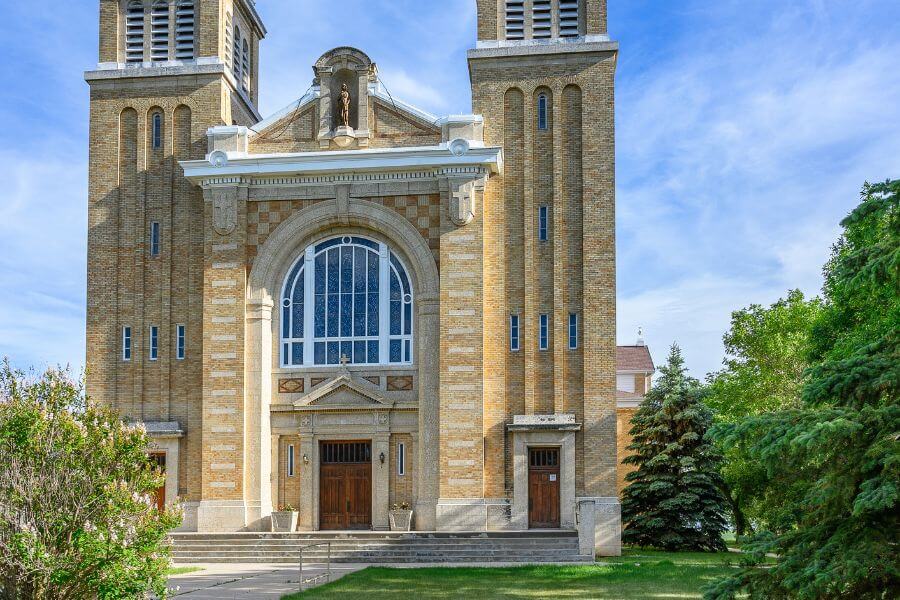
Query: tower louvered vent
(159, 31)
(184, 30)
(541, 19)
(134, 33)
(568, 18)
(515, 19)
(229, 40)
(236, 45)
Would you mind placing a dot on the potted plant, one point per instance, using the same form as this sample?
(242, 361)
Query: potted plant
(401, 517)
(284, 520)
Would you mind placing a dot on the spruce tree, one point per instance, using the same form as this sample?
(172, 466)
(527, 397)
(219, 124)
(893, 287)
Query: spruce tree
(841, 447)
(674, 499)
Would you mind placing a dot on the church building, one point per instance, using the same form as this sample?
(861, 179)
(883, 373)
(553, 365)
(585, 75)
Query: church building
(353, 304)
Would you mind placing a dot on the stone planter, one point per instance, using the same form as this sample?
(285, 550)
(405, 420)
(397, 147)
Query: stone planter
(401, 520)
(284, 522)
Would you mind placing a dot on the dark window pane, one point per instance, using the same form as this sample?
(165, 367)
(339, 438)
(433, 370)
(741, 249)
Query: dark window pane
(320, 274)
(320, 353)
(346, 269)
(359, 352)
(359, 315)
(373, 272)
(286, 354)
(333, 314)
(395, 318)
(320, 315)
(334, 353)
(373, 352)
(407, 315)
(297, 325)
(373, 314)
(359, 270)
(396, 351)
(407, 351)
(346, 350)
(396, 293)
(297, 357)
(346, 315)
(285, 322)
(333, 270)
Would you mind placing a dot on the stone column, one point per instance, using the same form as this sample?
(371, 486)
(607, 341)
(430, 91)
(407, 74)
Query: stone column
(428, 449)
(257, 419)
(381, 480)
(308, 489)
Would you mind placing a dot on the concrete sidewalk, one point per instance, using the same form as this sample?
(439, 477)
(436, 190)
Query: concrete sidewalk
(231, 581)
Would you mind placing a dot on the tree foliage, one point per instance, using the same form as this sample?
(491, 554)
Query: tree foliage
(76, 516)
(767, 352)
(673, 500)
(841, 445)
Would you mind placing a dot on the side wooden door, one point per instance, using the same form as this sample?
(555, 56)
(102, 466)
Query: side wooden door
(543, 488)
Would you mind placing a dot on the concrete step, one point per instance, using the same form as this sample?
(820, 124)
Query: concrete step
(423, 544)
(446, 558)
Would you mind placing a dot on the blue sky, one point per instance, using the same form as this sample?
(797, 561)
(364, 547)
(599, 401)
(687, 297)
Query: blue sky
(745, 130)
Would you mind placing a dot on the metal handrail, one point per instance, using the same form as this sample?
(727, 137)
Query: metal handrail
(326, 574)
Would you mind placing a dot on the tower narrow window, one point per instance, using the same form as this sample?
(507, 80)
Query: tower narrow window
(154, 238)
(236, 52)
(154, 342)
(126, 344)
(573, 331)
(159, 32)
(184, 30)
(134, 33)
(514, 333)
(290, 460)
(543, 218)
(179, 342)
(542, 112)
(229, 41)
(245, 66)
(545, 332)
(157, 126)
(401, 459)
(541, 19)
(568, 18)
(515, 19)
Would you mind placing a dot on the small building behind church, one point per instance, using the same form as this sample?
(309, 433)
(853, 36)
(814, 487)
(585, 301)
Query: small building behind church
(353, 304)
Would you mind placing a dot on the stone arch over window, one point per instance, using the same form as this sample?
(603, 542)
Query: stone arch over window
(346, 299)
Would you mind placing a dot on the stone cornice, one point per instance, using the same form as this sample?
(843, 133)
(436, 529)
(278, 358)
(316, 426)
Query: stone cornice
(310, 168)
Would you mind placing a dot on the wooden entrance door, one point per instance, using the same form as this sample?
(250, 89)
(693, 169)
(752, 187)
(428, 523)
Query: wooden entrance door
(345, 482)
(159, 496)
(543, 488)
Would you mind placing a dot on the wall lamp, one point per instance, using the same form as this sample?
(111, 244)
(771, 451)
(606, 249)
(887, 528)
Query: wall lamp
(305, 459)
(381, 457)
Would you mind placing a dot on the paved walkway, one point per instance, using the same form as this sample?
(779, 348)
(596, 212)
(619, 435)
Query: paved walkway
(232, 581)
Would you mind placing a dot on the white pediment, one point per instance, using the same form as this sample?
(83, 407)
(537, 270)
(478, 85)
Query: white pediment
(344, 392)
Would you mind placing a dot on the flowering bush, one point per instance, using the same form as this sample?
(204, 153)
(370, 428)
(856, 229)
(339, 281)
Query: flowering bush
(77, 518)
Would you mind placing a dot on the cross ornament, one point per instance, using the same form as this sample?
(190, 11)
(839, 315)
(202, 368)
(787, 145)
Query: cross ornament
(345, 360)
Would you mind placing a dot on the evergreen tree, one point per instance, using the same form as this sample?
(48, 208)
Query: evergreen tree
(674, 499)
(842, 445)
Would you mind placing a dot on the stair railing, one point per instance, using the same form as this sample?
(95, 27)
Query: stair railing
(314, 579)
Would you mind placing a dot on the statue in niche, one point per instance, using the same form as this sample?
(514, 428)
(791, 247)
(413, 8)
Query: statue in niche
(345, 106)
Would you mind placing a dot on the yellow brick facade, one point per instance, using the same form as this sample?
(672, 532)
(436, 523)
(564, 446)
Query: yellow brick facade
(458, 202)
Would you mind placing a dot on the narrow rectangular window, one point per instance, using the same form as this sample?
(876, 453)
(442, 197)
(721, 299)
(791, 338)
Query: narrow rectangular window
(573, 331)
(154, 238)
(543, 214)
(179, 342)
(154, 342)
(514, 333)
(545, 332)
(157, 131)
(542, 112)
(401, 459)
(126, 344)
(290, 457)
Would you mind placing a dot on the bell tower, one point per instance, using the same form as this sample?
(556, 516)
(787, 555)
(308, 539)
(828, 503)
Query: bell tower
(168, 70)
(543, 77)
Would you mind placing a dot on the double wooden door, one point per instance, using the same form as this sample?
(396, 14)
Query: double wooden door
(543, 488)
(345, 483)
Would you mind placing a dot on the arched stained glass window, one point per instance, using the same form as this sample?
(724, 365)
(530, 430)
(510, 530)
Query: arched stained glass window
(347, 300)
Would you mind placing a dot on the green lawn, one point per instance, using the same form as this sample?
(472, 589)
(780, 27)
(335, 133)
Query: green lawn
(643, 574)
(182, 570)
